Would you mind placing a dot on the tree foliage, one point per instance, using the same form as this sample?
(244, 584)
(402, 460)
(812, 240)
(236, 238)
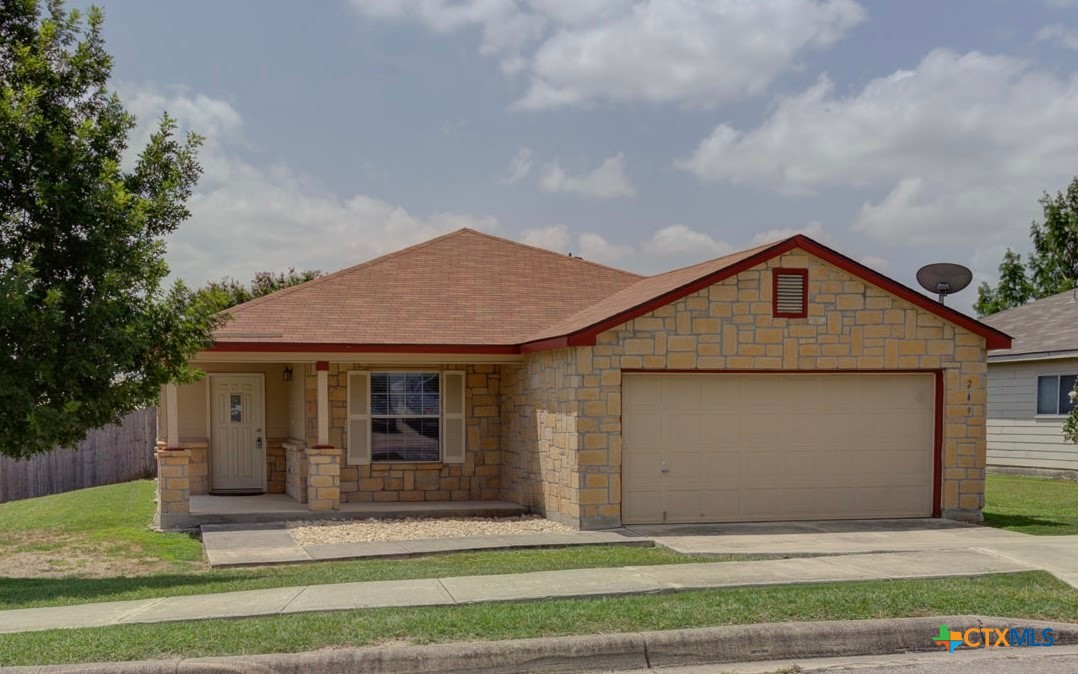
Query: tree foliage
(1051, 268)
(88, 330)
(228, 292)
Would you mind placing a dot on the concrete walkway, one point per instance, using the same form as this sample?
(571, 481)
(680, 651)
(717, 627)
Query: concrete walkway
(516, 587)
(1056, 554)
(230, 545)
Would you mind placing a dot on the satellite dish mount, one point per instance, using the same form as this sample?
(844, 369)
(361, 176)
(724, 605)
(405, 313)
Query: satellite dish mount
(944, 278)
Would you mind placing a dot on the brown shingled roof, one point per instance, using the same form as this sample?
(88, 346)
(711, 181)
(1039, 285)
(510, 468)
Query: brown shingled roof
(1049, 325)
(464, 288)
(473, 292)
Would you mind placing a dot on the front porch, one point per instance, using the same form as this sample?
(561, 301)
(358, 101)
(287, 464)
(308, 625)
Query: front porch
(209, 509)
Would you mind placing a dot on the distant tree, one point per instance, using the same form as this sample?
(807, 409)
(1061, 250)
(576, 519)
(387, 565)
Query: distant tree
(1014, 288)
(87, 330)
(228, 292)
(1051, 268)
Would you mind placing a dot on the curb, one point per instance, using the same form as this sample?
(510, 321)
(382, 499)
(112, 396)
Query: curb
(637, 651)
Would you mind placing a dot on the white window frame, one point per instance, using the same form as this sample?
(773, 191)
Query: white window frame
(446, 418)
(1037, 399)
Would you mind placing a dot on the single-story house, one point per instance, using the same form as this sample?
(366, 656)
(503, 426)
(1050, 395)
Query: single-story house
(783, 382)
(1029, 386)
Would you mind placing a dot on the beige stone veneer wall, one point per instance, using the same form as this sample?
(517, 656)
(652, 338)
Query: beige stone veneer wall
(572, 397)
(478, 478)
(542, 423)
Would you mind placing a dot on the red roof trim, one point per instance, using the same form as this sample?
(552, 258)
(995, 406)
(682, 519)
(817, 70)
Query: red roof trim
(994, 339)
(292, 347)
(587, 336)
(545, 344)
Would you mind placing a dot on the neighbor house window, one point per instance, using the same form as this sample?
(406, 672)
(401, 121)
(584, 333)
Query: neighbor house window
(1053, 394)
(789, 293)
(405, 416)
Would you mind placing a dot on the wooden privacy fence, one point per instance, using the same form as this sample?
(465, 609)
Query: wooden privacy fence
(108, 455)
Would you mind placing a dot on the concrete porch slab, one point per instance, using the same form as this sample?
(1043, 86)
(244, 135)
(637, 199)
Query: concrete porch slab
(270, 508)
(234, 545)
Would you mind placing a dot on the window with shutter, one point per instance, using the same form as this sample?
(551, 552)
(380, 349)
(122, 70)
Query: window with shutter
(789, 293)
(406, 416)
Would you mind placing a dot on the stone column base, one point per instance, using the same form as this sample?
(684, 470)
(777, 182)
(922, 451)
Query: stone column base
(323, 478)
(173, 487)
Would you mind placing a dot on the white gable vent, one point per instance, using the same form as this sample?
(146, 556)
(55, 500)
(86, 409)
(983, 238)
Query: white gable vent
(790, 293)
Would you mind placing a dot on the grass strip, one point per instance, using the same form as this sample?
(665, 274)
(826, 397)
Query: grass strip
(1034, 595)
(1031, 505)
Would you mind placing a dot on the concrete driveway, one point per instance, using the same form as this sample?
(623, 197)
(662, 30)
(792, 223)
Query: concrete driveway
(1055, 554)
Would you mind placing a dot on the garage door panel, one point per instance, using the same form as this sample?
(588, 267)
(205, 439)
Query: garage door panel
(682, 430)
(681, 392)
(777, 446)
(792, 429)
(759, 467)
(719, 429)
(758, 430)
(643, 428)
(682, 468)
(721, 468)
(644, 508)
(641, 469)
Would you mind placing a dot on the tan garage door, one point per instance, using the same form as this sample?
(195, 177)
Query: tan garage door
(750, 448)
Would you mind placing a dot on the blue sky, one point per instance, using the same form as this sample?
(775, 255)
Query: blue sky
(642, 135)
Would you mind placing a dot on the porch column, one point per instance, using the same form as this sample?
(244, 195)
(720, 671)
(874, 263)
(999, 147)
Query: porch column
(173, 488)
(322, 368)
(172, 417)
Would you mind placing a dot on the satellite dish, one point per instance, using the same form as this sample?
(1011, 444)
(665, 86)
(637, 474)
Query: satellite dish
(944, 278)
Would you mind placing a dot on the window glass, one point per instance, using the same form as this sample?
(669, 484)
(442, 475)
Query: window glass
(1047, 394)
(235, 408)
(405, 416)
(1066, 385)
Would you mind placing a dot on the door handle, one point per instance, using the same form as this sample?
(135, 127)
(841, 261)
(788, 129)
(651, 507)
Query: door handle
(663, 468)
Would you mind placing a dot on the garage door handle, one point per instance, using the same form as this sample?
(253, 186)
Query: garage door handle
(663, 468)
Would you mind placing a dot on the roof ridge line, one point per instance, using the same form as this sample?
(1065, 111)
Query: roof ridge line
(551, 252)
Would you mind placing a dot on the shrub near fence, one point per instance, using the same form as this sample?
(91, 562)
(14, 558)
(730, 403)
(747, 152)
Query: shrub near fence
(108, 455)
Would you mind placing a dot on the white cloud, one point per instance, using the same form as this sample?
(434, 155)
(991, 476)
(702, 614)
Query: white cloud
(697, 53)
(519, 166)
(597, 249)
(961, 146)
(681, 240)
(248, 217)
(608, 181)
(813, 230)
(554, 237)
(1060, 35)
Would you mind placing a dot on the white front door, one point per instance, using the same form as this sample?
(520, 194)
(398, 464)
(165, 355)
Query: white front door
(238, 455)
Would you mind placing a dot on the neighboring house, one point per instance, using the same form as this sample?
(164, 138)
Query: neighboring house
(1028, 387)
(785, 382)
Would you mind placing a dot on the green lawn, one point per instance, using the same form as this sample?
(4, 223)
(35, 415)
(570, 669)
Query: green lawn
(1031, 505)
(1026, 595)
(97, 546)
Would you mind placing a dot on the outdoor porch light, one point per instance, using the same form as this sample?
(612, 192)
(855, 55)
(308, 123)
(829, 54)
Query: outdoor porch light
(288, 374)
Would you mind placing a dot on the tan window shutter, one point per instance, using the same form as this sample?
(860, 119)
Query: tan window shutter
(359, 418)
(453, 416)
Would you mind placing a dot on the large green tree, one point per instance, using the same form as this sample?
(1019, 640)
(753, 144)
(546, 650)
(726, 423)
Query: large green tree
(88, 330)
(1051, 268)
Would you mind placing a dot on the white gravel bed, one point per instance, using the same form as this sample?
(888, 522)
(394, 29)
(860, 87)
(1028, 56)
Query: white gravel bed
(415, 528)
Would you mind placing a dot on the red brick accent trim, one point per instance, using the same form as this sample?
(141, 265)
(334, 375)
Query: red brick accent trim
(322, 366)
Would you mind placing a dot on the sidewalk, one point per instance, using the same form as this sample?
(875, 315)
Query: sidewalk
(515, 587)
